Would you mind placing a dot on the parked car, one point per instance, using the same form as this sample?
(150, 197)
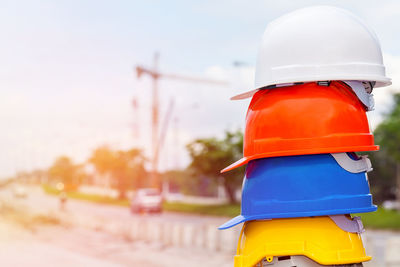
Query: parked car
(146, 199)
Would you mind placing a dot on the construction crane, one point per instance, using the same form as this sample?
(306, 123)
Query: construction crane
(155, 74)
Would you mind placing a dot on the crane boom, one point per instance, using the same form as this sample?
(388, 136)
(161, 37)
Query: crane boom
(156, 75)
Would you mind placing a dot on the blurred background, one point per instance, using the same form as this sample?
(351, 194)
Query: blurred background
(115, 120)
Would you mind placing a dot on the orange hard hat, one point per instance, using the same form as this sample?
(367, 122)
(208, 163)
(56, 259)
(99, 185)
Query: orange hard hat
(305, 119)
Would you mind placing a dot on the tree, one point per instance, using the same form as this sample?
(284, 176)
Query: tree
(125, 167)
(210, 155)
(387, 134)
(383, 178)
(65, 171)
(178, 182)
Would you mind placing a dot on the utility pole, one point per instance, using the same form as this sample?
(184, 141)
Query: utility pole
(156, 75)
(154, 181)
(176, 143)
(135, 105)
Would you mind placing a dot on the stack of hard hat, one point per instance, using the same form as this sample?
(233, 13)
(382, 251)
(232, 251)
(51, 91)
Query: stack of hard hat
(315, 73)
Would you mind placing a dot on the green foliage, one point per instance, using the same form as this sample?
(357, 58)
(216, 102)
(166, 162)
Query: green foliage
(178, 181)
(387, 134)
(386, 161)
(65, 171)
(125, 167)
(383, 178)
(381, 219)
(50, 190)
(210, 155)
(86, 197)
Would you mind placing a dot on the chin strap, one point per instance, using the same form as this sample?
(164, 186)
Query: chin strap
(352, 225)
(366, 98)
(363, 164)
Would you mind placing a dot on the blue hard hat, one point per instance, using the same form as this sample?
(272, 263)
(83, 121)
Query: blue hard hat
(301, 186)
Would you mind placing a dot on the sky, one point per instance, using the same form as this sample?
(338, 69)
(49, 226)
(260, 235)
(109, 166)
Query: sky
(67, 78)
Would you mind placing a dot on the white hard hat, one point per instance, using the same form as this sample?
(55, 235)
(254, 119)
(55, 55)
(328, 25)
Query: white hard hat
(320, 43)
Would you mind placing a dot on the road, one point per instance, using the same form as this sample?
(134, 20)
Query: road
(112, 247)
(70, 246)
(24, 242)
(37, 200)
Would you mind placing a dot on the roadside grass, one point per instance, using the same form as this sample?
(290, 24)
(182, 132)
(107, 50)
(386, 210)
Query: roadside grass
(381, 219)
(50, 190)
(87, 197)
(226, 210)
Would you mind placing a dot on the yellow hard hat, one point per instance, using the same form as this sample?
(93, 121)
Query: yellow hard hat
(317, 238)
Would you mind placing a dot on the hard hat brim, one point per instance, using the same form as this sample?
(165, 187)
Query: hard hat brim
(232, 222)
(241, 219)
(244, 95)
(380, 82)
(328, 150)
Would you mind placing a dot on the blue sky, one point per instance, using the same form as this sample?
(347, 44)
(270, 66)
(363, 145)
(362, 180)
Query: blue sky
(66, 71)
